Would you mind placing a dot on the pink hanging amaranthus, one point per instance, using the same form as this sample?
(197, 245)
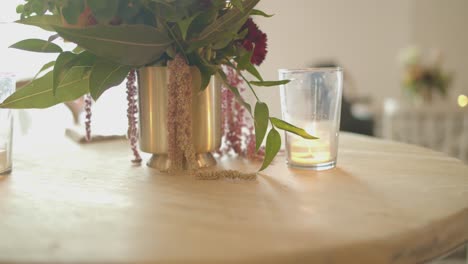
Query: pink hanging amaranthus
(179, 119)
(132, 111)
(88, 104)
(238, 130)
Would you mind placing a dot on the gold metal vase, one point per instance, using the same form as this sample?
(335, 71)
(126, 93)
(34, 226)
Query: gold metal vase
(206, 117)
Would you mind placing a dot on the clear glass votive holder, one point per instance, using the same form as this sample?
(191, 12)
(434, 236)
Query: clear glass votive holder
(7, 87)
(312, 101)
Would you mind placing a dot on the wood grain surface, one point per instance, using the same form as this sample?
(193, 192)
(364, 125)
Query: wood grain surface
(385, 203)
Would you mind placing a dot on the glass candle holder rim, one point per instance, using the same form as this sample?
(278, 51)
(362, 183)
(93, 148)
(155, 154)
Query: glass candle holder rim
(7, 75)
(311, 70)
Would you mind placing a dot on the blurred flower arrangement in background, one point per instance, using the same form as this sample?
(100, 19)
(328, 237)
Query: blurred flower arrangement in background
(423, 74)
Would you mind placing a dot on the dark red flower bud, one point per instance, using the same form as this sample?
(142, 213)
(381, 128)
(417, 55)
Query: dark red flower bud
(255, 41)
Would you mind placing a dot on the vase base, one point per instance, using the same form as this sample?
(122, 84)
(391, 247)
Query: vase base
(161, 162)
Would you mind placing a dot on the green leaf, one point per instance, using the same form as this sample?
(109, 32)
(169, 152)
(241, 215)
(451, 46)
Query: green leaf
(283, 125)
(133, 45)
(244, 63)
(269, 83)
(273, 145)
(129, 10)
(62, 66)
(238, 4)
(37, 7)
(38, 93)
(72, 9)
(204, 19)
(223, 42)
(243, 59)
(84, 59)
(53, 37)
(67, 61)
(44, 67)
(184, 25)
(19, 9)
(242, 34)
(46, 22)
(37, 45)
(256, 12)
(104, 75)
(252, 70)
(104, 10)
(261, 115)
(77, 49)
(231, 21)
(206, 70)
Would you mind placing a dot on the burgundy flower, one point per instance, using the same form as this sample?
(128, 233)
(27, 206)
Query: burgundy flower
(87, 18)
(255, 41)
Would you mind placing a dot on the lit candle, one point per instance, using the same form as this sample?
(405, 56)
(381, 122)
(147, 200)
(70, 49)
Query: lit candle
(310, 152)
(305, 152)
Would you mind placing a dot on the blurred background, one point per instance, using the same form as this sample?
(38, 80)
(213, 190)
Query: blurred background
(405, 62)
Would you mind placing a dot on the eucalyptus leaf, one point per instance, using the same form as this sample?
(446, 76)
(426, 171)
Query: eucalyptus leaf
(273, 145)
(244, 63)
(129, 9)
(231, 21)
(206, 70)
(201, 21)
(61, 67)
(104, 10)
(238, 4)
(44, 68)
(53, 37)
(243, 60)
(46, 22)
(256, 12)
(261, 115)
(72, 9)
(19, 9)
(242, 34)
(269, 83)
(227, 38)
(184, 25)
(132, 45)
(37, 45)
(104, 75)
(84, 59)
(283, 125)
(252, 70)
(73, 86)
(38, 93)
(77, 49)
(68, 60)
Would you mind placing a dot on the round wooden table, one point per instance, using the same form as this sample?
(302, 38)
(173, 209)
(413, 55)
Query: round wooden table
(385, 203)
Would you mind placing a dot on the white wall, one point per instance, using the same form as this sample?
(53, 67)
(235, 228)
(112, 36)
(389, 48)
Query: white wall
(364, 36)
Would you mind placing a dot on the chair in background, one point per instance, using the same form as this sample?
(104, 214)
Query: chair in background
(439, 128)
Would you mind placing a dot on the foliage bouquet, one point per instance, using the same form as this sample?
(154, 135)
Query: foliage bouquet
(424, 78)
(115, 37)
